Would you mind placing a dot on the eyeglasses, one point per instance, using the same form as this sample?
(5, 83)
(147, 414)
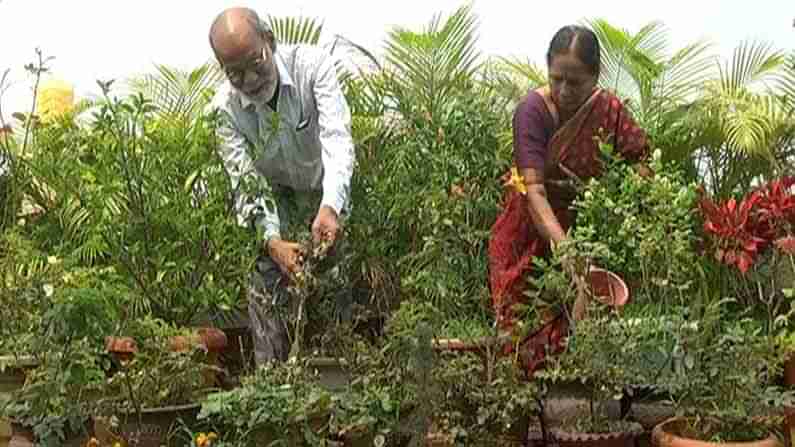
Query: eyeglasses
(237, 74)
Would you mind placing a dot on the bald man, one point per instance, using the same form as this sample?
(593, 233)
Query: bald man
(286, 144)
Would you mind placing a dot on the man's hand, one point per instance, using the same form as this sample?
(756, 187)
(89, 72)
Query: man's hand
(286, 254)
(326, 226)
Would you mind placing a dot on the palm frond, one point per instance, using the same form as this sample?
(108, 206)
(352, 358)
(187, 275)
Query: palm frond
(427, 65)
(786, 83)
(177, 93)
(527, 71)
(296, 30)
(752, 63)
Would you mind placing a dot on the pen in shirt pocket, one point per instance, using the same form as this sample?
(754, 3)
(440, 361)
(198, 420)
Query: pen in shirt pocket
(303, 121)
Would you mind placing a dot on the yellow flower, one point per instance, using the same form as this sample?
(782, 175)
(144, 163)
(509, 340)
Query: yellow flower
(517, 181)
(205, 440)
(55, 98)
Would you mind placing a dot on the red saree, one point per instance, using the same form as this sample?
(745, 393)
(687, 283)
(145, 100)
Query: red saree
(572, 154)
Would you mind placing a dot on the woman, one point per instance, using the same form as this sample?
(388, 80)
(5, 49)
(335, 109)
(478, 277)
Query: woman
(556, 129)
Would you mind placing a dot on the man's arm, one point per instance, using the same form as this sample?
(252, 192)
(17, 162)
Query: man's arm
(254, 201)
(334, 119)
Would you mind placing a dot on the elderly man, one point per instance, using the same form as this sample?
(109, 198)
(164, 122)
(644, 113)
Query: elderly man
(286, 145)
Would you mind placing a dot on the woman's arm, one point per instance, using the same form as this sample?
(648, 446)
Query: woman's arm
(541, 212)
(550, 229)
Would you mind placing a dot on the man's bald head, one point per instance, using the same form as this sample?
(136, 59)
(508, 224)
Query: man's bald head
(235, 31)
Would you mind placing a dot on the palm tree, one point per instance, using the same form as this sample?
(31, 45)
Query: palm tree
(179, 94)
(513, 77)
(296, 30)
(657, 85)
(744, 118)
(426, 67)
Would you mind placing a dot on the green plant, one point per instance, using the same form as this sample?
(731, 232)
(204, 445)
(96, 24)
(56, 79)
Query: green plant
(148, 197)
(436, 125)
(741, 121)
(485, 394)
(643, 229)
(614, 356)
(657, 84)
(56, 400)
(178, 94)
(723, 375)
(279, 405)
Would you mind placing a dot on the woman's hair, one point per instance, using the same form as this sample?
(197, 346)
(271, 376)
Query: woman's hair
(582, 41)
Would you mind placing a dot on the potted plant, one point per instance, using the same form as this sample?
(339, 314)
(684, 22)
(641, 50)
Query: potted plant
(53, 406)
(722, 382)
(610, 364)
(157, 390)
(278, 403)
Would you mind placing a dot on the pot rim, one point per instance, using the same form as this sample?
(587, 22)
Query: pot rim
(662, 430)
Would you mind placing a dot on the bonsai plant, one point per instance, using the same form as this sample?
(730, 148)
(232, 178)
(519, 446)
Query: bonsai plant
(151, 394)
(280, 404)
(722, 380)
(53, 406)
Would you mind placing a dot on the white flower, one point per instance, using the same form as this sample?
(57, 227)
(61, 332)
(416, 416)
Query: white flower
(52, 260)
(48, 290)
(657, 154)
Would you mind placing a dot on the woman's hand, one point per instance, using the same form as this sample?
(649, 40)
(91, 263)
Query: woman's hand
(573, 267)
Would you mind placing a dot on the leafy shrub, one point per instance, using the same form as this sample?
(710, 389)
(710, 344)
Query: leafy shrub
(148, 197)
(643, 229)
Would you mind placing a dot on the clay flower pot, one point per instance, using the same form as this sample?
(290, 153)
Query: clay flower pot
(607, 287)
(214, 340)
(122, 348)
(668, 434)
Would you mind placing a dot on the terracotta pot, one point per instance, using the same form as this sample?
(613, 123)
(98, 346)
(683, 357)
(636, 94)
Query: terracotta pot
(11, 379)
(21, 436)
(789, 370)
(214, 340)
(667, 434)
(608, 287)
(122, 348)
(789, 412)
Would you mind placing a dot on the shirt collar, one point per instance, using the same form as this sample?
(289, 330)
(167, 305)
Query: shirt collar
(285, 80)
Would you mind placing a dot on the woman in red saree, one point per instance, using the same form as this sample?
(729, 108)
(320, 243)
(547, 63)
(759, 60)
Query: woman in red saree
(556, 136)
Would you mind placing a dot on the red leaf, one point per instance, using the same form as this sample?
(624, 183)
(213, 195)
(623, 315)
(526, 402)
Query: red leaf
(786, 244)
(744, 262)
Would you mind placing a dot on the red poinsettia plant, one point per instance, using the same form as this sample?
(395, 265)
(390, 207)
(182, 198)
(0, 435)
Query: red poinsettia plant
(740, 230)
